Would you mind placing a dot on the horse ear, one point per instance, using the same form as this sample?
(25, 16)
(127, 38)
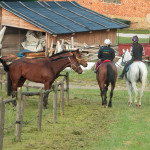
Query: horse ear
(127, 50)
(123, 50)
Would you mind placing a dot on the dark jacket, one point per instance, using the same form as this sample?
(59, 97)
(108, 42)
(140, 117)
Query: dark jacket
(137, 51)
(106, 53)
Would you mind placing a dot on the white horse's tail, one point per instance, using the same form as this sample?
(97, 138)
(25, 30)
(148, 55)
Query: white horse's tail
(143, 70)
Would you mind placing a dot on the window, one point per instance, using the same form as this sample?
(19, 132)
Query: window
(113, 1)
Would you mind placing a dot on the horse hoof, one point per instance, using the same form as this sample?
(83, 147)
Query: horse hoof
(136, 105)
(130, 104)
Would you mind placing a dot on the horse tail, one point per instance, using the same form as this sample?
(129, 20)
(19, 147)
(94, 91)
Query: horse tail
(6, 67)
(144, 72)
(110, 73)
(9, 85)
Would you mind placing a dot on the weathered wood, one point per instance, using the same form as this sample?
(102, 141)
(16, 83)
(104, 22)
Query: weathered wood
(18, 116)
(55, 102)
(1, 80)
(40, 106)
(6, 76)
(72, 42)
(12, 20)
(2, 117)
(9, 100)
(67, 88)
(47, 91)
(30, 93)
(62, 98)
(22, 109)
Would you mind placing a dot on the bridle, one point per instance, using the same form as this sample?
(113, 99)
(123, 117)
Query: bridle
(123, 62)
(72, 64)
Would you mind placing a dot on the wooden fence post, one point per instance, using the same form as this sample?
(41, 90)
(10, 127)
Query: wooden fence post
(67, 88)
(6, 76)
(18, 116)
(55, 102)
(27, 87)
(40, 106)
(62, 98)
(2, 117)
(1, 80)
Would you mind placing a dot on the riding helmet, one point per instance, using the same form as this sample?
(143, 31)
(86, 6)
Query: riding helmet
(135, 38)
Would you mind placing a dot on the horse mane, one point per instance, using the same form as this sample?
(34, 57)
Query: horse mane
(63, 52)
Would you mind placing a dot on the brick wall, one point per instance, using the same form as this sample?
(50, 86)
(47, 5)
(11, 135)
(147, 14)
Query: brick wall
(127, 8)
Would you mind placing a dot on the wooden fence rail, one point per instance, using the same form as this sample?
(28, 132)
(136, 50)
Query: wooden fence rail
(21, 96)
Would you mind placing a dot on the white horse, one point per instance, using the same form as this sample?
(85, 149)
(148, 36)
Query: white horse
(137, 72)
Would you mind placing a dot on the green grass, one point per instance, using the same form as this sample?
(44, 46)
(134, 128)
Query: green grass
(130, 31)
(128, 40)
(86, 125)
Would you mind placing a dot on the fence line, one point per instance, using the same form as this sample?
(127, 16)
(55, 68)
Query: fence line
(21, 96)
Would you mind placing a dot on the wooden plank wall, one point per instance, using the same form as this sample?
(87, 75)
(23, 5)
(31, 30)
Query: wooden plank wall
(93, 38)
(11, 43)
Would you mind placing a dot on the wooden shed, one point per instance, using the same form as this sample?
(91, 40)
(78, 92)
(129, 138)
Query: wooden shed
(56, 20)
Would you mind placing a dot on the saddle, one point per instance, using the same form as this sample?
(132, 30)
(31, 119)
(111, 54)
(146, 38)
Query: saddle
(104, 62)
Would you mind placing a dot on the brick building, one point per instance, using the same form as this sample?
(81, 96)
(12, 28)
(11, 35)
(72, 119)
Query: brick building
(127, 8)
(137, 11)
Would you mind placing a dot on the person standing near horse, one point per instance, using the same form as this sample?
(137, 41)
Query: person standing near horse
(137, 51)
(105, 53)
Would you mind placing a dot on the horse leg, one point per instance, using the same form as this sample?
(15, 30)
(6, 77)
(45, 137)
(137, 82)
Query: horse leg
(106, 89)
(130, 92)
(47, 86)
(141, 95)
(14, 93)
(103, 95)
(111, 95)
(136, 92)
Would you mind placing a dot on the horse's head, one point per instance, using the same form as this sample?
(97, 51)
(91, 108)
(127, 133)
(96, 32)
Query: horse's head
(74, 64)
(79, 58)
(126, 57)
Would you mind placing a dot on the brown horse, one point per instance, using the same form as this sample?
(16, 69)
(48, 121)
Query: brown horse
(106, 74)
(42, 72)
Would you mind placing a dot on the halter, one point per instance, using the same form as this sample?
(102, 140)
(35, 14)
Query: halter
(72, 64)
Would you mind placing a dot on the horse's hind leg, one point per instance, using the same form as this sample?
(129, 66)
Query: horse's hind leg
(104, 97)
(130, 92)
(111, 95)
(136, 92)
(141, 95)
(47, 86)
(45, 100)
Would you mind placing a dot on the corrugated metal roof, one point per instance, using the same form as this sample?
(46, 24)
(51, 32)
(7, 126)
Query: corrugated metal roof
(61, 17)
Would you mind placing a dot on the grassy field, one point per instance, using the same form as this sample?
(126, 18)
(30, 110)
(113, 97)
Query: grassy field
(86, 124)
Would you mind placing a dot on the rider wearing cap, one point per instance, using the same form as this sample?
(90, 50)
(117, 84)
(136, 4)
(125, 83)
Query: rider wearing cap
(137, 51)
(105, 53)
